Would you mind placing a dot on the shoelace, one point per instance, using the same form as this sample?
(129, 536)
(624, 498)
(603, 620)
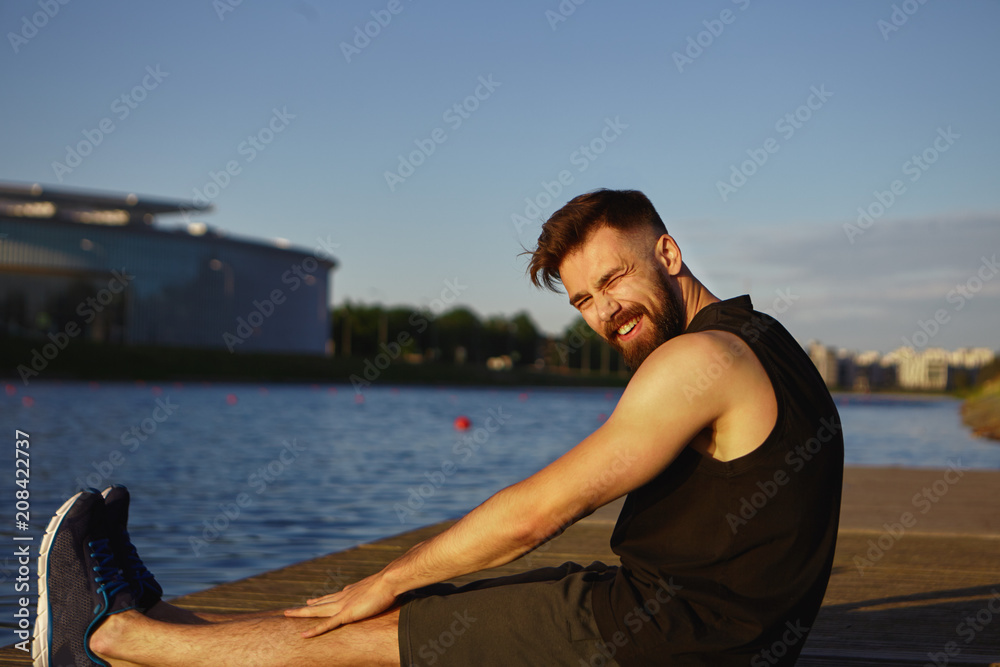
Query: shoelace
(109, 581)
(139, 571)
(135, 564)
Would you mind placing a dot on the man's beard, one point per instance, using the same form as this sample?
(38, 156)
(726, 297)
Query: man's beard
(662, 325)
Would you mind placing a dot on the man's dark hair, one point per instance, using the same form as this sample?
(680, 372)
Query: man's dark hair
(570, 226)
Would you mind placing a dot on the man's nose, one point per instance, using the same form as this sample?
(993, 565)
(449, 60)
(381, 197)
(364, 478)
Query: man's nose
(607, 307)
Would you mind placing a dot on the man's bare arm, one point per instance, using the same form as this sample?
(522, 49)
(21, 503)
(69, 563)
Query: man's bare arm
(652, 423)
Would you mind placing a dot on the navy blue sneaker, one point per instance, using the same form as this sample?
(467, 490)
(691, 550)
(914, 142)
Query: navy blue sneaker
(145, 590)
(79, 584)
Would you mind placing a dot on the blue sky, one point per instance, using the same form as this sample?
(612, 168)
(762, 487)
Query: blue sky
(669, 98)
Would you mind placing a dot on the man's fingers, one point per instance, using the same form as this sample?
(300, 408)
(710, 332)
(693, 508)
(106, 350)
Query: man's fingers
(322, 600)
(312, 610)
(321, 628)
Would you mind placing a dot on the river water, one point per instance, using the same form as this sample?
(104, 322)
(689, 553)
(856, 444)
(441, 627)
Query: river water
(231, 480)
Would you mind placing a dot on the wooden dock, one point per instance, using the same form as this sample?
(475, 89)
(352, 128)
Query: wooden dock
(896, 598)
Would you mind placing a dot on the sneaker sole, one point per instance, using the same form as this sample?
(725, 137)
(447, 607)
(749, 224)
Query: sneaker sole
(41, 639)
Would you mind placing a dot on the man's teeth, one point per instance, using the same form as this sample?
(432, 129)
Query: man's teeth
(628, 326)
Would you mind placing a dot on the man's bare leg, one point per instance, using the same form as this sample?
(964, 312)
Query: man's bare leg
(168, 613)
(129, 638)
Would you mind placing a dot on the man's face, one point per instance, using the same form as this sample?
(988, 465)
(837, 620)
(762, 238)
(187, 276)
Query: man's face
(623, 292)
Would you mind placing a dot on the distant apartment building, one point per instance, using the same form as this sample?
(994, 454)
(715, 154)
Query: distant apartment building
(873, 372)
(936, 368)
(927, 369)
(933, 369)
(825, 359)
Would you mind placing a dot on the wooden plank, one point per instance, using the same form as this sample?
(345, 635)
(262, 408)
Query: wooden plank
(894, 599)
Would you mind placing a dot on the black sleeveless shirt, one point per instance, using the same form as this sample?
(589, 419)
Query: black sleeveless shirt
(726, 563)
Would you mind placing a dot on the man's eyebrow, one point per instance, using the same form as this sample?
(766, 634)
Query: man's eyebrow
(601, 282)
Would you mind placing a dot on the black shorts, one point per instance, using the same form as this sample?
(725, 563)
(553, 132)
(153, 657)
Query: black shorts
(539, 617)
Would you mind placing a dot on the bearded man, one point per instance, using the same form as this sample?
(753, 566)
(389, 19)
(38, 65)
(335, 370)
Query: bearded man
(726, 443)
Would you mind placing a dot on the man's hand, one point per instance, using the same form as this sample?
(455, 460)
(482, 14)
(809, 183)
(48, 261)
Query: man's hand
(356, 602)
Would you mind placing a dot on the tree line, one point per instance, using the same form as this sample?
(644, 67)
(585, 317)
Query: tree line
(460, 336)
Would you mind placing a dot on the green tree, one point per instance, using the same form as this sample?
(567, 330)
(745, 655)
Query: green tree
(459, 335)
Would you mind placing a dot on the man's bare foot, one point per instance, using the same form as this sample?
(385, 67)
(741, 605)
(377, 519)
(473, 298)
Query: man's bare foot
(110, 633)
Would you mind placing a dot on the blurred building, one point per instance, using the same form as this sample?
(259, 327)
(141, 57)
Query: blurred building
(96, 267)
(929, 369)
(847, 370)
(873, 372)
(936, 368)
(825, 359)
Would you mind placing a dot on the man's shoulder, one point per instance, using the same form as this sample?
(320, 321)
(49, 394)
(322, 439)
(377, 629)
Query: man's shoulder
(696, 348)
(692, 361)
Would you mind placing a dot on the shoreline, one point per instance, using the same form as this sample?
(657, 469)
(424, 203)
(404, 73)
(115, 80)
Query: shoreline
(86, 362)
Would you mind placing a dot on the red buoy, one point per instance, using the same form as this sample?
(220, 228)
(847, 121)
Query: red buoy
(231, 399)
(462, 423)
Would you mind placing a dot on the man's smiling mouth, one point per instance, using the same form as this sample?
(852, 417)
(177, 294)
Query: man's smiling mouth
(624, 329)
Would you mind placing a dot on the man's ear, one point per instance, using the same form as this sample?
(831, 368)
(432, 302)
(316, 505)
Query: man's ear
(668, 254)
